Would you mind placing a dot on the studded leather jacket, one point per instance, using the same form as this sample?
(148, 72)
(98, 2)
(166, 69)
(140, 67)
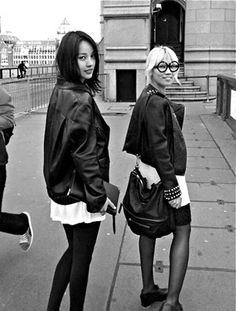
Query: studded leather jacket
(155, 134)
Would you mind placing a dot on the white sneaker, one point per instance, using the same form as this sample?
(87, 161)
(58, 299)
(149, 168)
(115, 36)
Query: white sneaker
(26, 239)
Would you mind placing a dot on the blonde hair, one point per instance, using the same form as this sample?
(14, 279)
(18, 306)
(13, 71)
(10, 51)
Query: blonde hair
(155, 56)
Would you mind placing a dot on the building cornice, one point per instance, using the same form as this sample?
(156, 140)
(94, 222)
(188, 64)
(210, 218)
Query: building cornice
(210, 61)
(125, 15)
(210, 49)
(126, 48)
(119, 60)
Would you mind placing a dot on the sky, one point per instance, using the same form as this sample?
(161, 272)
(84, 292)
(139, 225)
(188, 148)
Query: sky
(39, 20)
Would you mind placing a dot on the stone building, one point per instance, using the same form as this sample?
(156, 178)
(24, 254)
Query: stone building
(35, 52)
(7, 43)
(202, 33)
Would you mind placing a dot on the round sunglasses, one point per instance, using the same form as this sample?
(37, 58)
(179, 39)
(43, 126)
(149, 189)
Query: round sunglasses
(162, 66)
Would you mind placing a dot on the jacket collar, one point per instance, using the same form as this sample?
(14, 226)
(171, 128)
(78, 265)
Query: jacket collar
(62, 83)
(150, 89)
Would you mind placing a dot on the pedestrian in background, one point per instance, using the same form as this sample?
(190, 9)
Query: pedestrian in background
(77, 134)
(22, 68)
(163, 157)
(18, 224)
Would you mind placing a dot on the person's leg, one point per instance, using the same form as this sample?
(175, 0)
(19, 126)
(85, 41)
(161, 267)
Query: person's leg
(84, 240)
(179, 255)
(10, 223)
(146, 251)
(62, 274)
(3, 176)
(150, 292)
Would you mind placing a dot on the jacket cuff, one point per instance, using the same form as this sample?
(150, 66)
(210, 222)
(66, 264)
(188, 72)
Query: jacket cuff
(172, 194)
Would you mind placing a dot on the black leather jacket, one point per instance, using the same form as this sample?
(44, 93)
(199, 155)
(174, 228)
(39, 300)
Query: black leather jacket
(76, 136)
(155, 134)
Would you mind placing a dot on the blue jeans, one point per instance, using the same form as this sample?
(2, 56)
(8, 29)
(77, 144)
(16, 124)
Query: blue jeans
(10, 223)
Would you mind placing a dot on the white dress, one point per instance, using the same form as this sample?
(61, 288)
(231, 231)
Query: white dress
(73, 214)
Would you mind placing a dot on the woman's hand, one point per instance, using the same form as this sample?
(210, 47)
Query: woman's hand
(105, 206)
(175, 203)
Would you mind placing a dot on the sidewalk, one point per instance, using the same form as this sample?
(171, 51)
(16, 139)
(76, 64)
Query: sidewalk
(210, 279)
(115, 278)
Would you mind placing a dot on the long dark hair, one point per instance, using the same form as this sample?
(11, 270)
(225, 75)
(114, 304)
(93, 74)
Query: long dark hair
(67, 55)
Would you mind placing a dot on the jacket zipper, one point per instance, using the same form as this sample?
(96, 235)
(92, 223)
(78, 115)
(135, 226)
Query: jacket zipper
(72, 182)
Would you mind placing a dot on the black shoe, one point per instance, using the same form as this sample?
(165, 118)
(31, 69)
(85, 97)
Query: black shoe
(158, 294)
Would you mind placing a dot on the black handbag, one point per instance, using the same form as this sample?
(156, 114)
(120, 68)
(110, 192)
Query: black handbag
(146, 210)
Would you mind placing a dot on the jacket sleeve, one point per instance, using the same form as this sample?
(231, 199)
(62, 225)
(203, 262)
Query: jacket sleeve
(84, 154)
(6, 110)
(156, 122)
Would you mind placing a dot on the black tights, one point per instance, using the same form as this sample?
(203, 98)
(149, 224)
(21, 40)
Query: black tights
(179, 254)
(10, 223)
(73, 267)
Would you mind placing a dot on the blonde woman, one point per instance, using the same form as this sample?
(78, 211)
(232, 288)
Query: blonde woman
(160, 145)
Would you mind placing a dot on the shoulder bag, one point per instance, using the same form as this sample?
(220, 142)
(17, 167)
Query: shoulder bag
(146, 210)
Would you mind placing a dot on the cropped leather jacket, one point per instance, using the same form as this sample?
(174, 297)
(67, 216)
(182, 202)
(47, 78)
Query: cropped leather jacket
(155, 134)
(76, 136)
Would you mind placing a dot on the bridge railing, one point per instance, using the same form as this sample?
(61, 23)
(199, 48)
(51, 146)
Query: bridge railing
(33, 93)
(32, 71)
(226, 99)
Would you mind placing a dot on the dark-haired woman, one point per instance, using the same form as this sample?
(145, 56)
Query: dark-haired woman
(75, 123)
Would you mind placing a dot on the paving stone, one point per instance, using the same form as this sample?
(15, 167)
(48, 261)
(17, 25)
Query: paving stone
(200, 162)
(197, 136)
(202, 290)
(213, 214)
(204, 152)
(210, 175)
(205, 249)
(208, 192)
(214, 123)
(200, 143)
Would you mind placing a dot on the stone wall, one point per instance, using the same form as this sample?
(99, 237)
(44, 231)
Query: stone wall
(210, 39)
(126, 31)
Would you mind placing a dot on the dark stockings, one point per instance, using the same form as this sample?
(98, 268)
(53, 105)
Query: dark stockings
(146, 251)
(179, 254)
(73, 267)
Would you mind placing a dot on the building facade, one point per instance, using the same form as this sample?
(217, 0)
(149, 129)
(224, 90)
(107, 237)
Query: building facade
(35, 53)
(202, 33)
(7, 42)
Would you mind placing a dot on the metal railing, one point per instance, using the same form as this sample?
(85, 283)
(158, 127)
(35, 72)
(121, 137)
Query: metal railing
(207, 82)
(32, 71)
(226, 99)
(34, 93)
(31, 93)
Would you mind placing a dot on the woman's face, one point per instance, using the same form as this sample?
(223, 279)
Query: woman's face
(165, 78)
(86, 60)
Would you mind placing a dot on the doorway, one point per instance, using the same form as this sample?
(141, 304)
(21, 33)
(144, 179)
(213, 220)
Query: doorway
(168, 27)
(126, 85)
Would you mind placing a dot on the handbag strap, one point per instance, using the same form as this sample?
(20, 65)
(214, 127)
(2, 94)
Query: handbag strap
(169, 128)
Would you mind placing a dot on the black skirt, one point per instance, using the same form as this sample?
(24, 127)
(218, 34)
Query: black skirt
(182, 215)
